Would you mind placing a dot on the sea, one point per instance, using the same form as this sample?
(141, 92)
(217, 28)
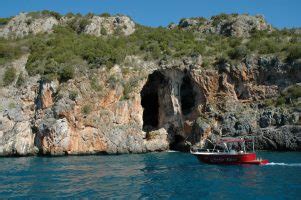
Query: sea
(164, 175)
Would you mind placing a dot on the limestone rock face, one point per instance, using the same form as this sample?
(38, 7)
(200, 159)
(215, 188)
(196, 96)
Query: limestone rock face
(286, 137)
(228, 25)
(201, 131)
(23, 25)
(16, 138)
(172, 104)
(110, 25)
(56, 137)
(16, 114)
(242, 25)
(46, 91)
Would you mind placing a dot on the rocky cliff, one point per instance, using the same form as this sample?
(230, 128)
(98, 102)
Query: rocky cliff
(141, 105)
(41, 22)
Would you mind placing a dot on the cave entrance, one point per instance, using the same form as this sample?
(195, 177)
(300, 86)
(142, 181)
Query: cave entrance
(187, 95)
(179, 144)
(150, 100)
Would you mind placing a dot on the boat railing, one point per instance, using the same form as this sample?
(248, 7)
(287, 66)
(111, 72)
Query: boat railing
(201, 150)
(195, 150)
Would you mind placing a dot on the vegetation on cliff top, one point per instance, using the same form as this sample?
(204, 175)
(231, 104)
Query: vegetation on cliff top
(66, 52)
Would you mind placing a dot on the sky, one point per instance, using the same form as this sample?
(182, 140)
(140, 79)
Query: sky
(279, 13)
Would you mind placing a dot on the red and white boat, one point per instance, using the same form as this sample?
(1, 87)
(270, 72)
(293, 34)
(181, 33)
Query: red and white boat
(228, 155)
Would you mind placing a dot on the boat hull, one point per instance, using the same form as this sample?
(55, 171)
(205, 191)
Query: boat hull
(231, 159)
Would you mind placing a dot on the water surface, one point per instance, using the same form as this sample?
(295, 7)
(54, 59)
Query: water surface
(170, 175)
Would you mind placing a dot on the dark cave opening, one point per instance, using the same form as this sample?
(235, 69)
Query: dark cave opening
(179, 144)
(150, 100)
(187, 95)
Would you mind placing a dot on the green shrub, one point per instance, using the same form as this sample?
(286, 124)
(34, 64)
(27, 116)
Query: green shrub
(89, 15)
(78, 24)
(95, 85)
(294, 91)
(269, 102)
(52, 13)
(280, 101)
(70, 15)
(12, 105)
(112, 81)
(9, 50)
(289, 96)
(294, 52)
(42, 13)
(66, 73)
(238, 52)
(9, 76)
(127, 89)
(103, 31)
(217, 19)
(105, 15)
(72, 95)
(20, 80)
(206, 63)
(86, 109)
(268, 46)
(222, 60)
(4, 21)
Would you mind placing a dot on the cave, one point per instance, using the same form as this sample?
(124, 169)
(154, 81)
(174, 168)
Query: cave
(179, 144)
(187, 95)
(150, 100)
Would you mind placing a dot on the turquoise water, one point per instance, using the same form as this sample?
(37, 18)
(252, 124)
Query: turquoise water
(149, 176)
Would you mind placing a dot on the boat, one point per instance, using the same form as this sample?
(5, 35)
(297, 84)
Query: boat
(222, 153)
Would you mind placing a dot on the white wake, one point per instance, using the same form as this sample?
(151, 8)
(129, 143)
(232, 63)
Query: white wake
(285, 164)
(171, 151)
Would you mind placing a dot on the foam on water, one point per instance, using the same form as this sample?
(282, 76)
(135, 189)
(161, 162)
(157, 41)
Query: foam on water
(284, 164)
(172, 151)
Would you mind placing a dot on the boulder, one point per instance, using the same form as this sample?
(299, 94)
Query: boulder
(157, 140)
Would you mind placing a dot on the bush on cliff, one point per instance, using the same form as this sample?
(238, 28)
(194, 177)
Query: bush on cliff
(9, 50)
(43, 13)
(289, 96)
(4, 21)
(66, 73)
(294, 52)
(294, 91)
(78, 24)
(21, 80)
(86, 109)
(9, 76)
(65, 47)
(238, 52)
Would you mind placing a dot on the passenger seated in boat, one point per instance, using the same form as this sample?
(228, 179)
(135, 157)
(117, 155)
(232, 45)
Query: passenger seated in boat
(232, 151)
